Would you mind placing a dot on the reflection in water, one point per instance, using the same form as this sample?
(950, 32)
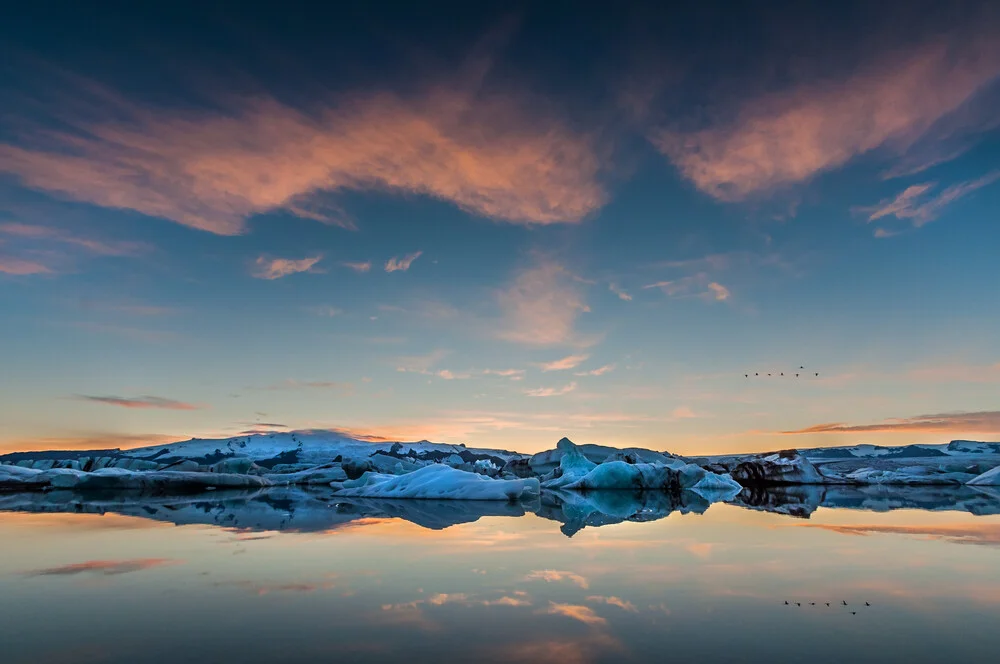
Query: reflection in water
(287, 574)
(301, 509)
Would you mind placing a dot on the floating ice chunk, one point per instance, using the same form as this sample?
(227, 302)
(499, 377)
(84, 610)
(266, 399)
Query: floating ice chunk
(716, 488)
(119, 479)
(573, 466)
(621, 475)
(989, 478)
(317, 475)
(438, 482)
(782, 468)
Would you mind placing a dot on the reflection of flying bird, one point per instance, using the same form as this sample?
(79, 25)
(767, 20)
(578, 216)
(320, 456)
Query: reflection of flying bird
(828, 604)
(844, 601)
(854, 613)
(867, 604)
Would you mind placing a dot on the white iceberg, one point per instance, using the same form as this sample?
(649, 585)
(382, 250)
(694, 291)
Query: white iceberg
(989, 478)
(438, 482)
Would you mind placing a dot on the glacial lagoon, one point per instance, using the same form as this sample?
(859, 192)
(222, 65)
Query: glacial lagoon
(301, 575)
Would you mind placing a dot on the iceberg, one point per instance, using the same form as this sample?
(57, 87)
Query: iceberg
(438, 482)
(989, 478)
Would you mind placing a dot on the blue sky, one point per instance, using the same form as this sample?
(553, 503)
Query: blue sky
(502, 228)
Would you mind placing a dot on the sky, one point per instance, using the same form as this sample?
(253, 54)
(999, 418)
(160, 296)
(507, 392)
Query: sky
(501, 224)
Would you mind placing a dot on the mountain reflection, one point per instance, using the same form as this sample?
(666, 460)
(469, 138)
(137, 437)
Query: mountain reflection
(318, 510)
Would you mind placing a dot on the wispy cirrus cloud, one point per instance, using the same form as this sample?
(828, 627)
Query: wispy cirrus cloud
(697, 285)
(979, 422)
(497, 156)
(788, 137)
(395, 264)
(565, 363)
(21, 267)
(91, 245)
(551, 391)
(541, 307)
(513, 374)
(358, 266)
(916, 206)
(140, 402)
(599, 371)
(292, 384)
(622, 295)
(276, 268)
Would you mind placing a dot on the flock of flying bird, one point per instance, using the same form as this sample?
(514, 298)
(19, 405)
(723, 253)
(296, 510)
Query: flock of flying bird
(844, 602)
(816, 374)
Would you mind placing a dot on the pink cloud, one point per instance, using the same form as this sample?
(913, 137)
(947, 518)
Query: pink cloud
(140, 402)
(719, 292)
(978, 422)
(493, 156)
(106, 567)
(21, 267)
(789, 137)
(569, 362)
(600, 371)
(358, 266)
(551, 391)
(622, 295)
(914, 205)
(402, 264)
(541, 307)
(276, 268)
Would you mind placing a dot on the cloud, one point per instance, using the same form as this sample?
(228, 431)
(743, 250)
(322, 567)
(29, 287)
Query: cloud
(21, 267)
(622, 295)
(584, 614)
(358, 267)
(513, 374)
(97, 247)
(105, 567)
(140, 402)
(420, 363)
(499, 156)
(622, 604)
(291, 384)
(720, 292)
(913, 205)
(551, 391)
(956, 373)
(541, 307)
(979, 422)
(695, 285)
(600, 371)
(326, 311)
(276, 268)
(569, 362)
(402, 264)
(89, 441)
(555, 575)
(683, 413)
(788, 137)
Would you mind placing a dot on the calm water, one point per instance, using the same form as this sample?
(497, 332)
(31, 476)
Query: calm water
(288, 576)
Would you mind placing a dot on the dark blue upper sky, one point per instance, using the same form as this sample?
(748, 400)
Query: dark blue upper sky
(501, 223)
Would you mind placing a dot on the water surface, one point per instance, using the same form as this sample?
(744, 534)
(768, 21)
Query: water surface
(296, 576)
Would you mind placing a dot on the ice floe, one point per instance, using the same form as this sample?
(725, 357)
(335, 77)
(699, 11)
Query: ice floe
(438, 482)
